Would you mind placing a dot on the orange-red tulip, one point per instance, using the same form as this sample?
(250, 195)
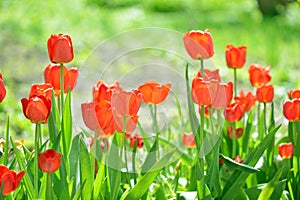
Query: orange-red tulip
(36, 108)
(2, 89)
(52, 76)
(238, 132)
(105, 118)
(89, 116)
(293, 94)
(9, 179)
(139, 139)
(102, 91)
(259, 75)
(60, 48)
(44, 89)
(233, 112)
(153, 92)
(204, 92)
(49, 161)
(125, 106)
(246, 101)
(210, 75)
(188, 140)
(235, 56)
(286, 150)
(291, 109)
(223, 96)
(265, 93)
(199, 44)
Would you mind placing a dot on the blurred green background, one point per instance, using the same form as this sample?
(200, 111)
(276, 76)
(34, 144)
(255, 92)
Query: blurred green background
(271, 33)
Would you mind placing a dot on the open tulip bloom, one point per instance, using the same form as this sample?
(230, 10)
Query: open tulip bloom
(214, 144)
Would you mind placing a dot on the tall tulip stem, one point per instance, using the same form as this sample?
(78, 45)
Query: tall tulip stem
(36, 154)
(235, 81)
(202, 67)
(61, 88)
(48, 192)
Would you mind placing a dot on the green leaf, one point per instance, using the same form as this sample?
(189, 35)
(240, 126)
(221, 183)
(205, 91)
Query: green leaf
(114, 165)
(143, 184)
(192, 114)
(150, 159)
(271, 118)
(67, 124)
(53, 121)
(238, 178)
(270, 187)
(98, 184)
(183, 156)
(86, 175)
(246, 137)
(26, 178)
(232, 165)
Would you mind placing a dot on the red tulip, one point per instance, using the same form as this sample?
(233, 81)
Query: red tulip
(102, 91)
(235, 56)
(60, 48)
(291, 109)
(238, 159)
(293, 94)
(199, 44)
(204, 92)
(154, 93)
(259, 75)
(233, 112)
(246, 101)
(139, 139)
(52, 76)
(223, 96)
(238, 132)
(2, 89)
(49, 161)
(105, 118)
(265, 93)
(9, 179)
(44, 89)
(89, 116)
(125, 106)
(188, 140)
(210, 75)
(286, 150)
(36, 108)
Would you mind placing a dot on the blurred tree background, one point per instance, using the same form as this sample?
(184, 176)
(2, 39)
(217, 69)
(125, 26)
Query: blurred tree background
(269, 28)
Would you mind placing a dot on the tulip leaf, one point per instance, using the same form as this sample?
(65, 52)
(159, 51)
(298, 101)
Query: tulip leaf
(192, 113)
(144, 183)
(246, 137)
(232, 165)
(53, 121)
(26, 178)
(238, 177)
(114, 164)
(86, 175)
(67, 124)
(150, 159)
(98, 184)
(270, 187)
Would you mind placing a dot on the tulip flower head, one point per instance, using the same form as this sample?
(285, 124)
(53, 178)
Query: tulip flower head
(199, 44)
(265, 93)
(60, 48)
(49, 161)
(293, 94)
(233, 112)
(286, 150)
(136, 138)
(52, 76)
(235, 56)
(2, 89)
(246, 101)
(188, 140)
(238, 132)
(259, 75)
(9, 179)
(153, 92)
(291, 109)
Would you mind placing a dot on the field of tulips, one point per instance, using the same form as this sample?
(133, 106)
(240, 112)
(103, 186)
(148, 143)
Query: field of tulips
(230, 145)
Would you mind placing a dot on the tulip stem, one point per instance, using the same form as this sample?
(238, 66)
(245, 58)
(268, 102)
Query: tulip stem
(265, 118)
(48, 192)
(202, 67)
(235, 81)
(234, 139)
(36, 154)
(61, 88)
(125, 151)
